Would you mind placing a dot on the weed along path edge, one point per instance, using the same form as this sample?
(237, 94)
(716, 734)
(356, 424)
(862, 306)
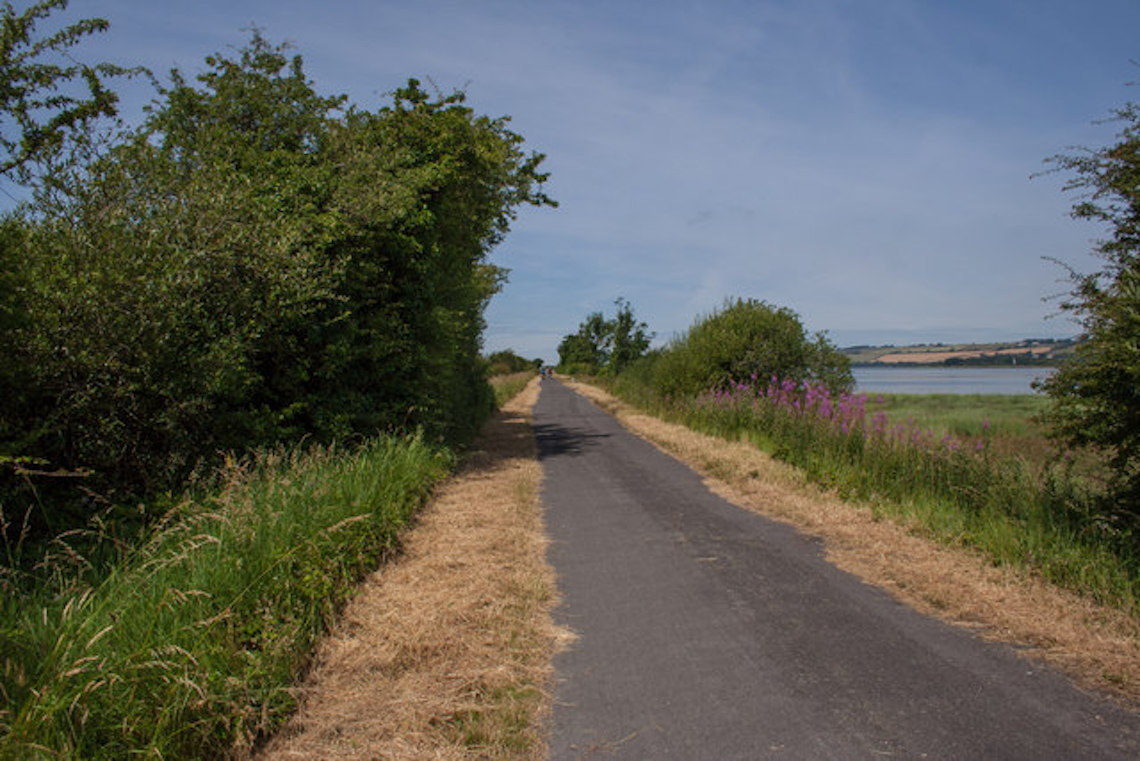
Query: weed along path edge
(445, 652)
(708, 631)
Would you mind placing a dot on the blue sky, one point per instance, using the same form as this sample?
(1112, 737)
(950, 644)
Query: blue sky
(866, 163)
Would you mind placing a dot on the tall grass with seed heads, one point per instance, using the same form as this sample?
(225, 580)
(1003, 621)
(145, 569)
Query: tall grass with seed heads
(189, 646)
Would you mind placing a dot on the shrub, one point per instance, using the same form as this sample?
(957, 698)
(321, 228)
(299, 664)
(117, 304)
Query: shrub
(1095, 393)
(748, 339)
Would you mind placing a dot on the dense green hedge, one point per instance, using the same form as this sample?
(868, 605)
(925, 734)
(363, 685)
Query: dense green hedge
(257, 263)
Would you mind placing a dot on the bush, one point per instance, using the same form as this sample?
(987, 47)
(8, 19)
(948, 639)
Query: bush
(506, 362)
(1095, 394)
(747, 339)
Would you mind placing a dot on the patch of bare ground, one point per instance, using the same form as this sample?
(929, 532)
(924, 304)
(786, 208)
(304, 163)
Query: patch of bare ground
(445, 652)
(1097, 646)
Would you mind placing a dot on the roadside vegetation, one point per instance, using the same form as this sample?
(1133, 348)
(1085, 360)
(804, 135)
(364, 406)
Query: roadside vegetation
(1051, 484)
(509, 374)
(744, 339)
(189, 645)
(507, 386)
(446, 654)
(1024, 506)
(242, 342)
(981, 472)
(506, 361)
(605, 346)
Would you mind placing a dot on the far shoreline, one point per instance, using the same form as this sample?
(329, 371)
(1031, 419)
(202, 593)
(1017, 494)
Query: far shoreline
(997, 380)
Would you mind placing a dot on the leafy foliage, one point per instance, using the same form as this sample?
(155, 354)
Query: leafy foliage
(628, 339)
(748, 339)
(602, 345)
(1095, 395)
(507, 362)
(46, 96)
(256, 264)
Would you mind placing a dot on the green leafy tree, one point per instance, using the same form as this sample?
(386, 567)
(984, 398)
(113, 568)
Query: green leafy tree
(15, 377)
(745, 339)
(603, 345)
(45, 99)
(45, 96)
(431, 188)
(506, 361)
(629, 339)
(586, 350)
(1095, 395)
(170, 286)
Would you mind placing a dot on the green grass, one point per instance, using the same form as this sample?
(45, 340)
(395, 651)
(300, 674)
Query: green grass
(966, 415)
(189, 646)
(1010, 425)
(507, 386)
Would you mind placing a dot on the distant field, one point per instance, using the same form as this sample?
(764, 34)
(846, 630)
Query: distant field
(965, 415)
(1031, 351)
(1010, 426)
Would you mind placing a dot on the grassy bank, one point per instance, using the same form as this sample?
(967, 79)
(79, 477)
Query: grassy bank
(509, 385)
(190, 645)
(967, 415)
(1008, 426)
(446, 654)
(974, 471)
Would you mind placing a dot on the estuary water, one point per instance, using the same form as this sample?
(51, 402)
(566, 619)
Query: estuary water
(948, 380)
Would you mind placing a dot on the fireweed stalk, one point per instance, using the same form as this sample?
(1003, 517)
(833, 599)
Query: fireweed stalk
(959, 491)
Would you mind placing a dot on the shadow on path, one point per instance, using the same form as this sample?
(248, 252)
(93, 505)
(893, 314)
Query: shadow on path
(556, 440)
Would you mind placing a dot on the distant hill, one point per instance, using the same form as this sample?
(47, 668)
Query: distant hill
(1031, 351)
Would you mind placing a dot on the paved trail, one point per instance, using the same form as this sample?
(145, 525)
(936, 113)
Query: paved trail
(709, 632)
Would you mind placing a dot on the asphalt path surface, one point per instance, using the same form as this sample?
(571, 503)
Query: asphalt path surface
(709, 632)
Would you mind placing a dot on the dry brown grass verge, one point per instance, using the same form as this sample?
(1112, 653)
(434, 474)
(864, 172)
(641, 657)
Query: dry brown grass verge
(445, 653)
(1098, 647)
